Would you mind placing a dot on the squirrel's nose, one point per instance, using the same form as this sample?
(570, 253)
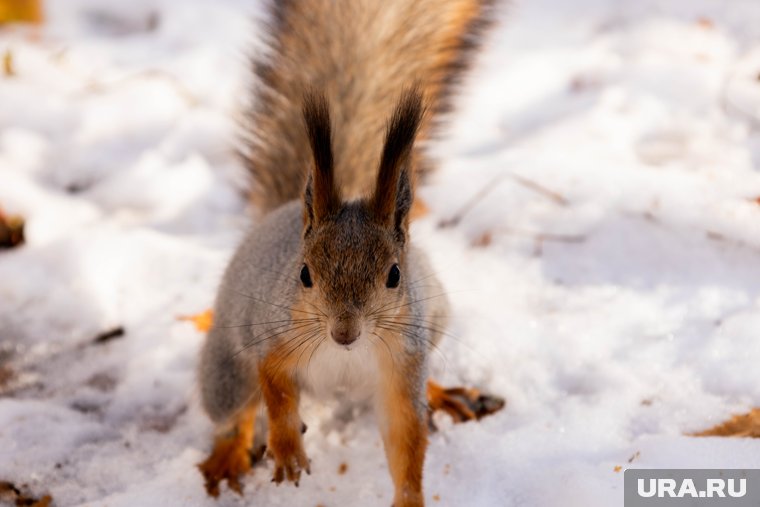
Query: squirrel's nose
(345, 335)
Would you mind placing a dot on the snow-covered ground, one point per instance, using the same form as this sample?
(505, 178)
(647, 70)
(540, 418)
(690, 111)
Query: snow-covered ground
(606, 282)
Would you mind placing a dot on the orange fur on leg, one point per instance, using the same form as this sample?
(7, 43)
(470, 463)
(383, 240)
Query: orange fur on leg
(231, 455)
(404, 436)
(281, 395)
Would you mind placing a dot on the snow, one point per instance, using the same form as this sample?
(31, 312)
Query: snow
(605, 283)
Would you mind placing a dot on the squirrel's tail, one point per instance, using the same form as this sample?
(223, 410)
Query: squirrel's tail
(361, 54)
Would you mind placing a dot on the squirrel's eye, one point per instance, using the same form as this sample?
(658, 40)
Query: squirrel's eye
(306, 277)
(394, 276)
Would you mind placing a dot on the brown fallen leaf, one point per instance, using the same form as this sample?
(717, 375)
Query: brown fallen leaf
(706, 23)
(9, 492)
(582, 83)
(24, 11)
(419, 209)
(342, 468)
(11, 230)
(483, 240)
(744, 425)
(6, 375)
(202, 321)
(617, 468)
(45, 501)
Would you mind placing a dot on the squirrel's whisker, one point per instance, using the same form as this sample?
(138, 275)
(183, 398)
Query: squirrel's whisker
(313, 349)
(309, 334)
(413, 283)
(289, 308)
(289, 321)
(318, 309)
(298, 361)
(287, 328)
(409, 303)
(415, 322)
(406, 326)
(430, 343)
(388, 348)
(273, 271)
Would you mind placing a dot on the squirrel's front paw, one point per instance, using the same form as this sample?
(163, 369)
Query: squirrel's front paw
(229, 460)
(289, 459)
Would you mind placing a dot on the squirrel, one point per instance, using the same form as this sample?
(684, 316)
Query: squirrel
(327, 292)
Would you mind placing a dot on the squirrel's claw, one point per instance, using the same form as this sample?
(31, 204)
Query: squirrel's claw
(291, 467)
(229, 460)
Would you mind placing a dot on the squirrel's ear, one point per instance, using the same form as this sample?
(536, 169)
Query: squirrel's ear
(393, 195)
(321, 197)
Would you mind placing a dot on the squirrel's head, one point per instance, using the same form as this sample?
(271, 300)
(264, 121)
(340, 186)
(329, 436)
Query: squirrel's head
(354, 263)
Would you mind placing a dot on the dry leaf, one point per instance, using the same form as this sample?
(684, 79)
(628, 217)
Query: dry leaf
(202, 321)
(419, 209)
(705, 23)
(8, 70)
(483, 240)
(11, 230)
(745, 425)
(24, 11)
(580, 84)
(9, 492)
(6, 375)
(107, 336)
(342, 468)
(617, 468)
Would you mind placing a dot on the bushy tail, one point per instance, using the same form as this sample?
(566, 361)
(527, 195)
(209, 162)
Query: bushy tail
(361, 54)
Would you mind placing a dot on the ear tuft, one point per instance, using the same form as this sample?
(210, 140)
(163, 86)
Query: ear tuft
(393, 193)
(321, 197)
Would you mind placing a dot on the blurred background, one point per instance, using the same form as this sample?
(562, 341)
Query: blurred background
(595, 219)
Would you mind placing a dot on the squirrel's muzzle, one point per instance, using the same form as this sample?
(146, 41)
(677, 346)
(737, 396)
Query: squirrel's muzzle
(345, 330)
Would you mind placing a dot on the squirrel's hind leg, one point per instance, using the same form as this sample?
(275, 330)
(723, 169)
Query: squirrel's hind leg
(232, 453)
(461, 403)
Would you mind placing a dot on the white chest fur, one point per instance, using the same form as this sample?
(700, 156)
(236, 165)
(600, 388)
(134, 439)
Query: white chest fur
(334, 371)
